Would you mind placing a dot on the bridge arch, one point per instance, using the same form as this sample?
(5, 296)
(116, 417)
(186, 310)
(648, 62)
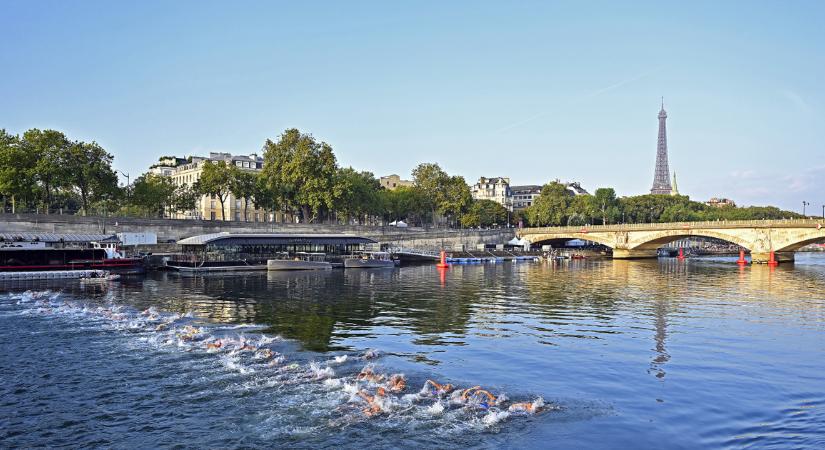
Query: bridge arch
(654, 240)
(544, 238)
(796, 244)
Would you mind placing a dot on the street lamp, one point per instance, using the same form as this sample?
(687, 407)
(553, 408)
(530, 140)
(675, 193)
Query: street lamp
(804, 204)
(125, 175)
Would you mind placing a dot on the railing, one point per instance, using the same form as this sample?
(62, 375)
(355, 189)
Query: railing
(778, 223)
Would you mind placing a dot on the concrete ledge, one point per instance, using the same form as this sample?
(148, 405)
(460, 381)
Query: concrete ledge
(764, 257)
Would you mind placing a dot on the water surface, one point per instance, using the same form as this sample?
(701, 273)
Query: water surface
(641, 354)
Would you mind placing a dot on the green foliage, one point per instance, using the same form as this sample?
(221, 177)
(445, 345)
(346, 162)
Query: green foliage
(90, 171)
(244, 186)
(216, 179)
(150, 195)
(299, 172)
(558, 207)
(484, 213)
(552, 206)
(404, 203)
(356, 194)
(439, 192)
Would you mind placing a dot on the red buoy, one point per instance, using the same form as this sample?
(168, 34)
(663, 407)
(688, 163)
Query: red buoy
(772, 261)
(741, 260)
(681, 253)
(443, 264)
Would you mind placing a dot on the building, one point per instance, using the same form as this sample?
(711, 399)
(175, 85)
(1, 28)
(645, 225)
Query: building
(516, 198)
(391, 182)
(495, 189)
(524, 196)
(165, 166)
(720, 202)
(187, 172)
(661, 175)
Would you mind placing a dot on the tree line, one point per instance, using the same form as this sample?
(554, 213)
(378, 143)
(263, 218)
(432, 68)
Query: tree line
(558, 206)
(44, 171)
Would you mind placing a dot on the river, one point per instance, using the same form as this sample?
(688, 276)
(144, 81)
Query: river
(624, 354)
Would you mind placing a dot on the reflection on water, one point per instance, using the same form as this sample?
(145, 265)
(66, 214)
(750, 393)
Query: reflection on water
(709, 352)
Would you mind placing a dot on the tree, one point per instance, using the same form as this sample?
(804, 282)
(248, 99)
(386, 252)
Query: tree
(216, 180)
(16, 169)
(484, 213)
(300, 172)
(430, 182)
(404, 203)
(356, 194)
(50, 148)
(607, 204)
(454, 197)
(89, 169)
(551, 208)
(151, 194)
(184, 198)
(243, 185)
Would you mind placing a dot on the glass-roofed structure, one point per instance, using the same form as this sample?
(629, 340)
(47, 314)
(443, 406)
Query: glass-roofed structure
(237, 251)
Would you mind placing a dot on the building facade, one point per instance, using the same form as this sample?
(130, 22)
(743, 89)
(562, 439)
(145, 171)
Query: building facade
(496, 189)
(188, 171)
(392, 182)
(720, 202)
(524, 196)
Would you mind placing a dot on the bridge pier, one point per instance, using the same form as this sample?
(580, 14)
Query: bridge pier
(619, 253)
(764, 257)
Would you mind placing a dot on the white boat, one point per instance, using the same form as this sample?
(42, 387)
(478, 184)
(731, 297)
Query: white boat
(299, 261)
(368, 260)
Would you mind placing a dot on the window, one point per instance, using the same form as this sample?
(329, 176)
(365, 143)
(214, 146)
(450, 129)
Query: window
(238, 203)
(237, 216)
(212, 215)
(212, 204)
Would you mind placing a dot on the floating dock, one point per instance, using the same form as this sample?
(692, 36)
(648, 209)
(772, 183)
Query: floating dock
(50, 275)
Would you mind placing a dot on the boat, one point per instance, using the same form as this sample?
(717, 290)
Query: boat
(299, 261)
(368, 260)
(17, 259)
(229, 252)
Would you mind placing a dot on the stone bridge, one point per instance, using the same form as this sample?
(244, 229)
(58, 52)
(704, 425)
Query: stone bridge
(628, 241)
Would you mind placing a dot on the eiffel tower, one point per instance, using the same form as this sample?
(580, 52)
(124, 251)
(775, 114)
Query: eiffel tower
(661, 177)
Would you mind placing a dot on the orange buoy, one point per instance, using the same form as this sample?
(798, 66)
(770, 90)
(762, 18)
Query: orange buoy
(443, 264)
(772, 261)
(681, 253)
(741, 260)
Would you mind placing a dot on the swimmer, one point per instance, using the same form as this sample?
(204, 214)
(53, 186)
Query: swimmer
(371, 354)
(214, 345)
(397, 383)
(527, 407)
(367, 374)
(485, 399)
(162, 327)
(373, 407)
(265, 354)
(437, 389)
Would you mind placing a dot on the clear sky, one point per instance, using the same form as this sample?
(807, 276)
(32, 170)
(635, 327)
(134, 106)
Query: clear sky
(533, 91)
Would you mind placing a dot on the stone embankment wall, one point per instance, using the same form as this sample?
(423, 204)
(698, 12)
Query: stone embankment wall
(174, 230)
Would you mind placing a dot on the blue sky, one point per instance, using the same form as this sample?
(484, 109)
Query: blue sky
(533, 90)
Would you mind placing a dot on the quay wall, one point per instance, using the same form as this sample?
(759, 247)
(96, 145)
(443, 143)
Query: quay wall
(177, 229)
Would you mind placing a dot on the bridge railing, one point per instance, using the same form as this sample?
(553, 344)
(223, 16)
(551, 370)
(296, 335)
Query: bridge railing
(779, 223)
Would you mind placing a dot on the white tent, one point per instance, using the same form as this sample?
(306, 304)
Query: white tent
(398, 223)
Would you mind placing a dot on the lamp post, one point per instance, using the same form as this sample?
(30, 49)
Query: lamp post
(804, 204)
(823, 211)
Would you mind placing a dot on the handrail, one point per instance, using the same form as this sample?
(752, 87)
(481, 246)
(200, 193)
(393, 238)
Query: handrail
(678, 225)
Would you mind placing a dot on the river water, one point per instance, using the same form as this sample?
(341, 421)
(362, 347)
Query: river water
(624, 354)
